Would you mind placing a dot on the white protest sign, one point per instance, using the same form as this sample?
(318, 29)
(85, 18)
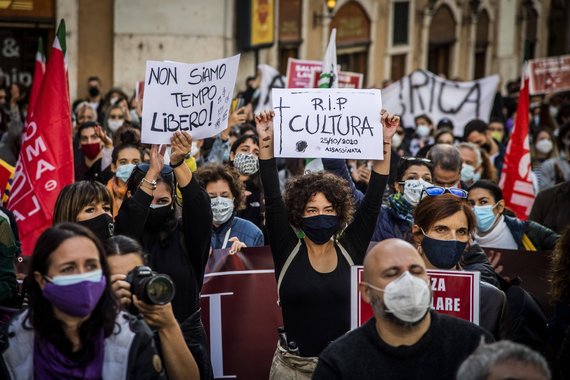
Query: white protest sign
(422, 92)
(187, 97)
(327, 123)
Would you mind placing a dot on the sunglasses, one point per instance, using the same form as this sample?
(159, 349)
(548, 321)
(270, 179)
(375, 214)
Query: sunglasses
(165, 171)
(434, 191)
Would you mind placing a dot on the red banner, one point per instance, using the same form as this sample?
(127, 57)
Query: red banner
(45, 164)
(39, 72)
(346, 79)
(549, 75)
(240, 313)
(516, 177)
(300, 72)
(455, 293)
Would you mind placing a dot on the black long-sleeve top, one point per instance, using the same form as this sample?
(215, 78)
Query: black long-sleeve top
(315, 305)
(184, 254)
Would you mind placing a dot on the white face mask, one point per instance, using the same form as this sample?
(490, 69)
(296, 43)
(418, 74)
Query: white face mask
(396, 140)
(115, 124)
(413, 190)
(222, 209)
(246, 163)
(544, 146)
(408, 297)
(469, 174)
(423, 130)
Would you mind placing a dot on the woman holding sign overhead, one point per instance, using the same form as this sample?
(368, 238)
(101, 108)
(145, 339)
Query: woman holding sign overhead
(176, 247)
(313, 259)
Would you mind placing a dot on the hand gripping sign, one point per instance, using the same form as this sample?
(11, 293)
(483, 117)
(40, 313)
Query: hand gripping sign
(187, 97)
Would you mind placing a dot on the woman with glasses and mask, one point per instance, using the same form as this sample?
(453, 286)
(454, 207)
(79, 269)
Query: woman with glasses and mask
(88, 203)
(73, 328)
(176, 247)
(497, 228)
(443, 225)
(315, 237)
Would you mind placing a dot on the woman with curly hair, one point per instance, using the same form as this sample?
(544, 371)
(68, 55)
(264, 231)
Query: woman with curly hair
(313, 258)
(560, 289)
(226, 193)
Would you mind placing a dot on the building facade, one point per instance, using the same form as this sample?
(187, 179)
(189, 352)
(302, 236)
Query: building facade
(384, 39)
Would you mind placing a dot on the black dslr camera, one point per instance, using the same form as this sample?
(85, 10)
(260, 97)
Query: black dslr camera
(151, 287)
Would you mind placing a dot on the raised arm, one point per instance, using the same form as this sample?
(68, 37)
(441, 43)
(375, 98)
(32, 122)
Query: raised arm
(196, 209)
(281, 236)
(360, 231)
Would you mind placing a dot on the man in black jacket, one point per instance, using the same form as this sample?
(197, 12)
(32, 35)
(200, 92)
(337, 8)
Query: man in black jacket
(405, 339)
(551, 207)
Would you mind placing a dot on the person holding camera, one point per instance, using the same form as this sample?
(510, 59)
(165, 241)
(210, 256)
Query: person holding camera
(142, 291)
(73, 328)
(176, 247)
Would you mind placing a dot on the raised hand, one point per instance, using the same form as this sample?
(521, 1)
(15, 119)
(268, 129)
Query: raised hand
(390, 123)
(264, 124)
(156, 162)
(100, 132)
(181, 144)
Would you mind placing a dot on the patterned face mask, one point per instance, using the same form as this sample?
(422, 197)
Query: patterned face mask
(246, 163)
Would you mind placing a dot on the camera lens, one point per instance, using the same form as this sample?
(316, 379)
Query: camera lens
(160, 290)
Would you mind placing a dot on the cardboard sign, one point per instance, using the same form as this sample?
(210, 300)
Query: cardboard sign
(346, 79)
(187, 97)
(300, 72)
(455, 293)
(422, 92)
(548, 75)
(327, 123)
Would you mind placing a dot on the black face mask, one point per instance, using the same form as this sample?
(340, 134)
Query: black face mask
(486, 147)
(102, 226)
(320, 228)
(94, 91)
(157, 217)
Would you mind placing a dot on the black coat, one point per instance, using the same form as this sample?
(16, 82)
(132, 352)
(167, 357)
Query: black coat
(551, 207)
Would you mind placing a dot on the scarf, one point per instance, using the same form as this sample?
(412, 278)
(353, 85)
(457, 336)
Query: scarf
(50, 363)
(119, 191)
(401, 207)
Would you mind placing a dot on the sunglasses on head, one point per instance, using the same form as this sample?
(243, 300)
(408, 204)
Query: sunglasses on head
(165, 171)
(421, 159)
(434, 191)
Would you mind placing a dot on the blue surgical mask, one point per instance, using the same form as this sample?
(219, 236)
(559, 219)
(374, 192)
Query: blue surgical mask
(443, 254)
(485, 217)
(320, 228)
(124, 172)
(93, 276)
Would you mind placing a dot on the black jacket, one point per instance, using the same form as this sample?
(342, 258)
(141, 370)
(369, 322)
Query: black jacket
(551, 207)
(475, 259)
(542, 238)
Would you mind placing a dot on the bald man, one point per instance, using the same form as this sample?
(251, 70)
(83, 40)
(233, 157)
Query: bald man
(405, 339)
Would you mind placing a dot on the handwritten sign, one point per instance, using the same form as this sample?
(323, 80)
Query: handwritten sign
(548, 75)
(422, 92)
(454, 293)
(187, 97)
(327, 123)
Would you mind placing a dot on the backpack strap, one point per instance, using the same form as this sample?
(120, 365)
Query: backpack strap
(285, 267)
(527, 243)
(345, 254)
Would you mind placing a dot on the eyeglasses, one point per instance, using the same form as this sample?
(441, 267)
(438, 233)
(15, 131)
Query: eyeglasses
(434, 191)
(426, 160)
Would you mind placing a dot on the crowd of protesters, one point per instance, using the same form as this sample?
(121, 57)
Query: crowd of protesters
(434, 202)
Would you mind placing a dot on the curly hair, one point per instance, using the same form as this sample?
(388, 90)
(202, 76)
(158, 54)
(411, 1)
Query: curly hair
(301, 189)
(558, 276)
(216, 172)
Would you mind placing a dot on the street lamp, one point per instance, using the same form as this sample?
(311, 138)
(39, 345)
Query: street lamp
(331, 5)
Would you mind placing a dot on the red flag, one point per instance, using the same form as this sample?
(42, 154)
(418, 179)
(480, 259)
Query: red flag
(516, 177)
(39, 71)
(45, 164)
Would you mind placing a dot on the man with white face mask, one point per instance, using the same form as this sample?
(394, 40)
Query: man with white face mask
(405, 339)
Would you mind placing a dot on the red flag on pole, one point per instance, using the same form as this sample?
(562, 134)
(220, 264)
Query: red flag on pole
(39, 71)
(45, 164)
(516, 177)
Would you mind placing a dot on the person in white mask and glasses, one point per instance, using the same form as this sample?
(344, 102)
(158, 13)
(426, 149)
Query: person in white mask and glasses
(226, 193)
(405, 338)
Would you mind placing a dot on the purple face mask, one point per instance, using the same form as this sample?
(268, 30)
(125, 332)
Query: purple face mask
(76, 295)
